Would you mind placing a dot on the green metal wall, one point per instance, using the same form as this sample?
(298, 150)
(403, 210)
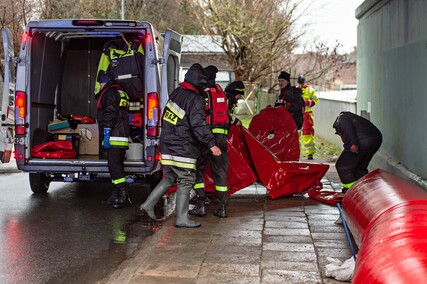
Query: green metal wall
(392, 82)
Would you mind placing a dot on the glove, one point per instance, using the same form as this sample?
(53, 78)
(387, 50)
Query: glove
(106, 142)
(354, 149)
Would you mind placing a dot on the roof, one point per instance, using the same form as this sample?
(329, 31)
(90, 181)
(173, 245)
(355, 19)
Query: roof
(201, 44)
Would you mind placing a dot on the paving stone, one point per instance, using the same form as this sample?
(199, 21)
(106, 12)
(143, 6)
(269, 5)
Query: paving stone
(288, 239)
(286, 224)
(284, 276)
(138, 279)
(290, 265)
(221, 270)
(290, 247)
(175, 270)
(228, 280)
(286, 232)
(329, 236)
(273, 255)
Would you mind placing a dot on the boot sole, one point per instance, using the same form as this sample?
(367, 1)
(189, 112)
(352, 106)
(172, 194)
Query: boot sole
(197, 215)
(185, 226)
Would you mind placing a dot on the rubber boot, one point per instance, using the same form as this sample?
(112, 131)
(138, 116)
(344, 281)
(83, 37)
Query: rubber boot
(123, 200)
(221, 212)
(199, 208)
(182, 202)
(153, 199)
(114, 197)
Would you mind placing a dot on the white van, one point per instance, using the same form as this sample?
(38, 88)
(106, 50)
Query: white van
(55, 74)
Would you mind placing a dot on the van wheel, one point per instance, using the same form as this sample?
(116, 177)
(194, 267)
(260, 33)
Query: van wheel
(154, 179)
(39, 182)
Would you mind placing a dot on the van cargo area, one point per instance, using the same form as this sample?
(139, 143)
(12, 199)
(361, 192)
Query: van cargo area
(55, 100)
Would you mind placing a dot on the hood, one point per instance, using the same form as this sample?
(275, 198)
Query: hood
(196, 76)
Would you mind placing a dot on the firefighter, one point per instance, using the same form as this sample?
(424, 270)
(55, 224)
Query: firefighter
(234, 91)
(290, 98)
(310, 100)
(217, 118)
(184, 130)
(361, 139)
(113, 105)
(121, 58)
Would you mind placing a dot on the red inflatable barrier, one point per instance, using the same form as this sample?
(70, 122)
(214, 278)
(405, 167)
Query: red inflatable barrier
(372, 195)
(282, 178)
(239, 176)
(275, 128)
(388, 219)
(54, 150)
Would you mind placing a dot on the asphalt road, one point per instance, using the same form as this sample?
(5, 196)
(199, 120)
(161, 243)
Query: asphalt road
(66, 235)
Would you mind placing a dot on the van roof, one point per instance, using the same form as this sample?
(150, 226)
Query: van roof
(86, 23)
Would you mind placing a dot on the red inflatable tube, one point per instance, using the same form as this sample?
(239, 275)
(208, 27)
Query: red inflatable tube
(388, 219)
(394, 249)
(372, 195)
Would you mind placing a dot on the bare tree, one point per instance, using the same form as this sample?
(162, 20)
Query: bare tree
(259, 39)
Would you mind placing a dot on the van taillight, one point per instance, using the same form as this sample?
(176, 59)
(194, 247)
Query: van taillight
(153, 115)
(21, 111)
(24, 37)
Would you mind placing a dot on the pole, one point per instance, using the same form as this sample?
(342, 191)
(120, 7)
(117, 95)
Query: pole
(123, 9)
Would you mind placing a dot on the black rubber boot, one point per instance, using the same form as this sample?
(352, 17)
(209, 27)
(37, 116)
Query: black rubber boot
(199, 208)
(221, 212)
(114, 197)
(153, 198)
(123, 200)
(182, 202)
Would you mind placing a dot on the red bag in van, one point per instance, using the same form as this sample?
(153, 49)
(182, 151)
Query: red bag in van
(54, 150)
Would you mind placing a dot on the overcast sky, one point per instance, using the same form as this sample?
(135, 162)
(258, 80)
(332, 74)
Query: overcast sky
(334, 20)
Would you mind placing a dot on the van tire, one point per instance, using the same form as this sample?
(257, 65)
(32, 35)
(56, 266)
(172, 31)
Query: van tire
(39, 182)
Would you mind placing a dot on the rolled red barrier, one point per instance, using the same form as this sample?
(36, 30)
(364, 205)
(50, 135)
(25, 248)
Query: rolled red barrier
(372, 195)
(387, 216)
(394, 249)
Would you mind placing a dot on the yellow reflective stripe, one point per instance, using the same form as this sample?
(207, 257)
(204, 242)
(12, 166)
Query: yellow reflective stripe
(221, 188)
(178, 164)
(220, 131)
(179, 159)
(199, 185)
(182, 162)
(176, 109)
(241, 90)
(119, 180)
(119, 141)
(348, 185)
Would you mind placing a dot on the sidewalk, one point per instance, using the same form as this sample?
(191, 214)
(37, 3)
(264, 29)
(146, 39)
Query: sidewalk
(9, 167)
(262, 241)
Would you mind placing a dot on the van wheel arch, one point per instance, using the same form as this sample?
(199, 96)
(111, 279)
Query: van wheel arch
(39, 182)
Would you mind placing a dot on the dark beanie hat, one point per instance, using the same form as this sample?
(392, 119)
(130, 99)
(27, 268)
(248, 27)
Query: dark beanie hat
(236, 88)
(285, 75)
(212, 70)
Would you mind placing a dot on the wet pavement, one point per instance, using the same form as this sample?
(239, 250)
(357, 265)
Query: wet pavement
(285, 240)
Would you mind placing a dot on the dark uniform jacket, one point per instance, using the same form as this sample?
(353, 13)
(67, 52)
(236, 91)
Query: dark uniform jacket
(356, 130)
(291, 98)
(113, 104)
(184, 128)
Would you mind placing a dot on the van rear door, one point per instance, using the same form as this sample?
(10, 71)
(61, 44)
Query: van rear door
(170, 69)
(7, 113)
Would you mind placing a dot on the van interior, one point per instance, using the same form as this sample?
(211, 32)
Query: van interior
(63, 74)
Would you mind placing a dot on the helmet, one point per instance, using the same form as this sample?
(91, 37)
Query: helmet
(301, 80)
